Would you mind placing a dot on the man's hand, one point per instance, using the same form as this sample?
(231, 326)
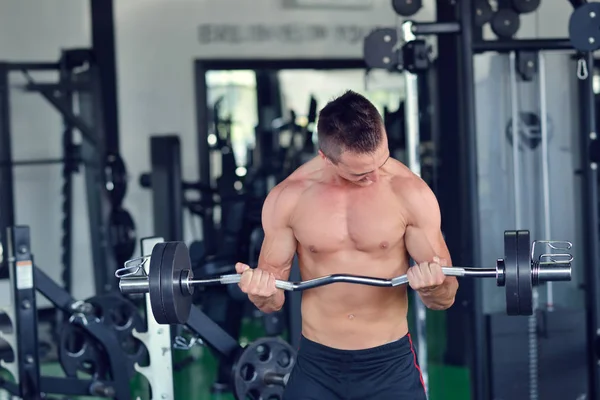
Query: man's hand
(259, 285)
(427, 276)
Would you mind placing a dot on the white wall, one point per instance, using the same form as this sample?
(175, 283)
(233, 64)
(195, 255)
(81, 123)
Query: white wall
(36, 31)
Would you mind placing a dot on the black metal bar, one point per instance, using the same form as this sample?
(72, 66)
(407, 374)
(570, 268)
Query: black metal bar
(29, 66)
(103, 43)
(276, 64)
(67, 386)
(103, 256)
(41, 161)
(435, 28)
(167, 187)
(47, 87)
(211, 333)
(469, 202)
(98, 202)
(269, 108)
(521, 44)
(591, 237)
(451, 186)
(23, 282)
(68, 168)
(86, 130)
(7, 207)
(50, 290)
(202, 121)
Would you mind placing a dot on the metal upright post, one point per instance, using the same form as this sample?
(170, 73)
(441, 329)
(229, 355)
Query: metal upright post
(103, 43)
(467, 159)
(68, 168)
(22, 279)
(7, 207)
(413, 142)
(591, 237)
(167, 187)
(202, 118)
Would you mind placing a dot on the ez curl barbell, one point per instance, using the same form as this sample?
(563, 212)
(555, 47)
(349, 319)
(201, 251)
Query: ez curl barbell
(171, 283)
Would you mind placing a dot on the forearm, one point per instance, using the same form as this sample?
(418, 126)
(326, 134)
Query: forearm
(269, 304)
(442, 297)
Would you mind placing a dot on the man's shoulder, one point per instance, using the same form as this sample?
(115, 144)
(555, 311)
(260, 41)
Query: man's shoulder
(283, 198)
(298, 181)
(287, 189)
(404, 182)
(412, 191)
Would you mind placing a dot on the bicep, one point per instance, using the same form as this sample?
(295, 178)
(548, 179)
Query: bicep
(423, 243)
(277, 252)
(279, 245)
(424, 239)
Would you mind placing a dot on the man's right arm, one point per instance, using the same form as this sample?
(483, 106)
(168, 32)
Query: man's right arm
(277, 251)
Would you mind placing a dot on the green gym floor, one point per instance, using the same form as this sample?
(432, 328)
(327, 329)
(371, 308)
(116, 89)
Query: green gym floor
(194, 380)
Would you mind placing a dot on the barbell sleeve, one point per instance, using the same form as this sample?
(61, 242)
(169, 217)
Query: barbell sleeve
(134, 285)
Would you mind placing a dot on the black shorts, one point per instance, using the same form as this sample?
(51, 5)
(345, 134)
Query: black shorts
(387, 372)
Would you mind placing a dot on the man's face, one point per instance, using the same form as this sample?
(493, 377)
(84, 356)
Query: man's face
(363, 169)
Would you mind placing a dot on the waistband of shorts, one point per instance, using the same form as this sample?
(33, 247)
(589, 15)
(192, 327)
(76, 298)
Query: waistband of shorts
(402, 346)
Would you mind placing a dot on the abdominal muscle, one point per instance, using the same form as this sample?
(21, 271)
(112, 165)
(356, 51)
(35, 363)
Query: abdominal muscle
(353, 316)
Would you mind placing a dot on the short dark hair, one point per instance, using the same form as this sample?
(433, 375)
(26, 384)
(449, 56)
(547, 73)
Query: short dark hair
(349, 122)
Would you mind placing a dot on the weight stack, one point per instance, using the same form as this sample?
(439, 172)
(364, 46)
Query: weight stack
(562, 370)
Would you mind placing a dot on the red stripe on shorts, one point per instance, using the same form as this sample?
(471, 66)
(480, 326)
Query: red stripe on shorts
(415, 361)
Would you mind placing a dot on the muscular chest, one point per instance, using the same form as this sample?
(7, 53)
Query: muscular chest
(368, 221)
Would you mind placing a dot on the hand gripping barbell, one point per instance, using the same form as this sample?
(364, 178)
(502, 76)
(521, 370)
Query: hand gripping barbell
(171, 283)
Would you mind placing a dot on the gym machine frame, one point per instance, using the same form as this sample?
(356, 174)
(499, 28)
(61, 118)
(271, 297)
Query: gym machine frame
(25, 280)
(459, 35)
(104, 131)
(90, 152)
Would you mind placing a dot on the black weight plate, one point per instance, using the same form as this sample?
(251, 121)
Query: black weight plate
(123, 234)
(378, 48)
(78, 351)
(122, 317)
(265, 355)
(505, 23)
(584, 27)
(525, 6)
(154, 283)
(407, 8)
(524, 273)
(483, 12)
(175, 303)
(511, 276)
(115, 178)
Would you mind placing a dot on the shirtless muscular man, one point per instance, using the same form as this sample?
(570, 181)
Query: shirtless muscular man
(353, 210)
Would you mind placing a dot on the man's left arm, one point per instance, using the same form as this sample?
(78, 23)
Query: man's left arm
(427, 247)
